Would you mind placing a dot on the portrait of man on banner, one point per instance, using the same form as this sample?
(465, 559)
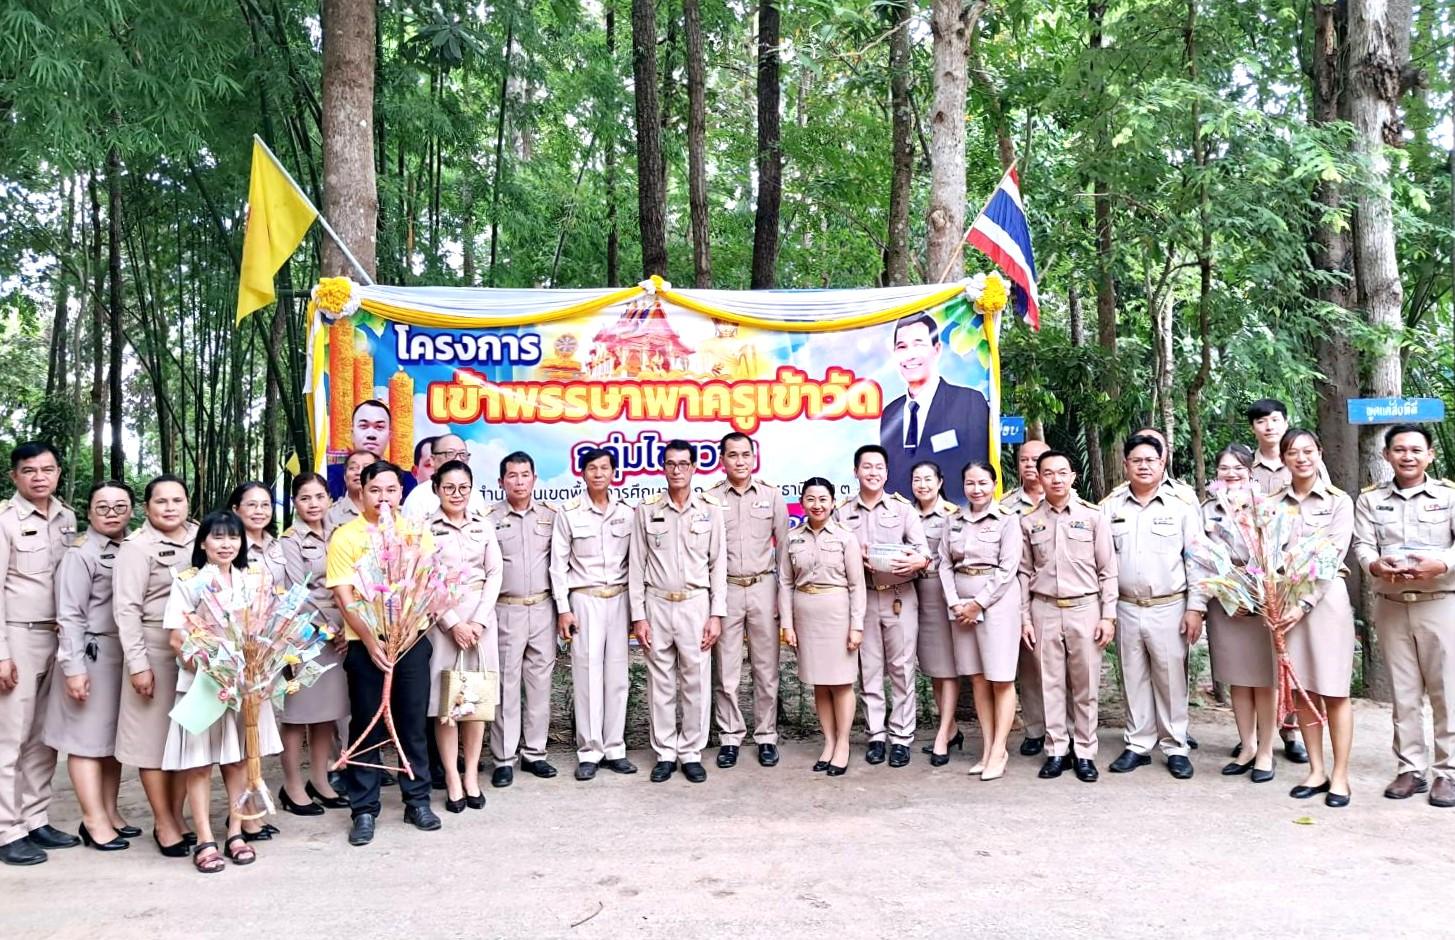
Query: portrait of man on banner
(935, 419)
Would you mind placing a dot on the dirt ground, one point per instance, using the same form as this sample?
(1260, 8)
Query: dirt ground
(780, 852)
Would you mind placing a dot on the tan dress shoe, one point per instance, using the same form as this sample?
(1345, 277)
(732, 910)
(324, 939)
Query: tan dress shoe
(1443, 792)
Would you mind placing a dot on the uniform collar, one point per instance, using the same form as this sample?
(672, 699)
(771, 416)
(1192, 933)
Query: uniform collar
(1070, 504)
(1260, 461)
(727, 487)
(25, 507)
(509, 510)
(189, 532)
(993, 509)
(105, 541)
(858, 500)
(1421, 487)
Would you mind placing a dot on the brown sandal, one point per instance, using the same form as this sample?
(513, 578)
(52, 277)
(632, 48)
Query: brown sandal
(205, 858)
(243, 854)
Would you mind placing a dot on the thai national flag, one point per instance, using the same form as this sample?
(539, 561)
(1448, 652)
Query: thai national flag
(1001, 232)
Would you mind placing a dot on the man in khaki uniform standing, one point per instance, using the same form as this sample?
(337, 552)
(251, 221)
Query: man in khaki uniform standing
(590, 540)
(35, 529)
(1068, 575)
(1151, 525)
(526, 620)
(891, 615)
(756, 520)
(1404, 537)
(1021, 500)
(678, 599)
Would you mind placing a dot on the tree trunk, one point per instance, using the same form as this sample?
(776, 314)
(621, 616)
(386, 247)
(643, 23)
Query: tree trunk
(946, 219)
(896, 256)
(651, 193)
(1106, 293)
(113, 372)
(98, 330)
(499, 153)
(1204, 270)
(613, 236)
(350, 193)
(697, 143)
(770, 151)
(1089, 431)
(56, 366)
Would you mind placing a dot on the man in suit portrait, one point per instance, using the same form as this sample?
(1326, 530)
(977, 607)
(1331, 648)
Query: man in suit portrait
(935, 420)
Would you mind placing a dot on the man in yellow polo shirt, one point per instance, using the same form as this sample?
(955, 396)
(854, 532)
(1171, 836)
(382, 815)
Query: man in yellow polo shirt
(365, 666)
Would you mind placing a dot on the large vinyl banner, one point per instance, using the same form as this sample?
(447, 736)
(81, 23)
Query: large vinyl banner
(810, 375)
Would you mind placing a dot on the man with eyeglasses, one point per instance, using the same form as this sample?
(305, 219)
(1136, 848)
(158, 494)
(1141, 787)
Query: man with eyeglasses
(422, 502)
(678, 589)
(35, 530)
(1152, 525)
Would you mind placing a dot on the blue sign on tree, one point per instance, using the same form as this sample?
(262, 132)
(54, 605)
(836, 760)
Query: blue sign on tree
(1395, 410)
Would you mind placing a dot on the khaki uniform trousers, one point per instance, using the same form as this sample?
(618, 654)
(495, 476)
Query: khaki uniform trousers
(891, 629)
(1418, 641)
(1070, 673)
(679, 671)
(599, 676)
(26, 763)
(526, 636)
(1153, 655)
(752, 612)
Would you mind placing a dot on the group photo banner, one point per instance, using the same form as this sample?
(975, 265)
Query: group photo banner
(810, 375)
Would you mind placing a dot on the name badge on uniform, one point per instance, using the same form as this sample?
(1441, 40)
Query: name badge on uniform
(763, 504)
(945, 440)
(1116, 520)
(1161, 520)
(1079, 524)
(167, 554)
(29, 531)
(1384, 507)
(1037, 527)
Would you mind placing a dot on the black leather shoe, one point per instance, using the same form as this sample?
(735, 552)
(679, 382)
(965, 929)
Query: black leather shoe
(1302, 792)
(1128, 761)
(619, 765)
(1235, 769)
(819, 766)
(1179, 767)
(298, 809)
(502, 777)
(128, 832)
(362, 831)
(327, 802)
(1030, 747)
(1053, 767)
(454, 806)
(1191, 742)
(898, 755)
(475, 802)
(727, 756)
(939, 760)
(694, 772)
(1261, 776)
(875, 753)
(178, 849)
(49, 837)
(663, 771)
(1336, 799)
(1086, 770)
(768, 755)
(336, 782)
(957, 742)
(586, 770)
(421, 817)
(834, 770)
(1237, 750)
(538, 768)
(22, 852)
(1294, 750)
(116, 844)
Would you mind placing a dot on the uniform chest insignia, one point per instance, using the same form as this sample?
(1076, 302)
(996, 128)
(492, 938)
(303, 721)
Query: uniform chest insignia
(658, 517)
(167, 554)
(1384, 507)
(29, 531)
(1163, 520)
(1430, 507)
(763, 504)
(702, 517)
(439, 530)
(107, 556)
(1116, 519)
(1078, 524)
(1037, 527)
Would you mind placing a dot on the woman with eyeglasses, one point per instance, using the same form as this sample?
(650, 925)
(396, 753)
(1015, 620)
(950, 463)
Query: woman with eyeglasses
(465, 638)
(252, 502)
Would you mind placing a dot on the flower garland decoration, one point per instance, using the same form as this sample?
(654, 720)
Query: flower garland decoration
(993, 294)
(335, 298)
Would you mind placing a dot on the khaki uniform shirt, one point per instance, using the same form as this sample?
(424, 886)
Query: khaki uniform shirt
(301, 554)
(83, 598)
(991, 539)
(1150, 540)
(678, 549)
(31, 545)
(1421, 519)
(1329, 510)
(829, 557)
(589, 547)
(1066, 553)
(340, 512)
(143, 579)
(756, 520)
(891, 521)
(470, 548)
(1018, 501)
(1270, 476)
(524, 537)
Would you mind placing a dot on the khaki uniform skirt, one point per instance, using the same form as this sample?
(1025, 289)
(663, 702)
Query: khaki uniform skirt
(991, 647)
(822, 624)
(935, 644)
(484, 658)
(88, 729)
(1241, 649)
(141, 723)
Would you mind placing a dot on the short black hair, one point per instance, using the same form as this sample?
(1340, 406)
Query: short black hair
(29, 450)
(870, 449)
(361, 453)
(222, 522)
(379, 468)
(1242, 453)
(1264, 407)
(918, 318)
(1395, 430)
(679, 445)
(1143, 440)
(1292, 435)
(100, 485)
(373, 403)
(816, 481)
(732, 436)
(592, 454)
(303, 479)
(516, 456)
(423, 443)
(448, 467)
(156, 481)
(979, 464)
(1055, 453)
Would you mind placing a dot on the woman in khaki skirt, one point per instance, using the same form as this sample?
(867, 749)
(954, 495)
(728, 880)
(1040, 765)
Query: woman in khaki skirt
(466, 635)
(140, 585)
(821, 613)
(1321, 634)
(309, 716)
(934, 646)
(1240, 646)
(86, 694)
(979, 556)
(219, 564)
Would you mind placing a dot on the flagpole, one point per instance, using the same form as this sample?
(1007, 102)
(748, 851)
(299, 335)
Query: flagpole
(363, 275)
(960, 248)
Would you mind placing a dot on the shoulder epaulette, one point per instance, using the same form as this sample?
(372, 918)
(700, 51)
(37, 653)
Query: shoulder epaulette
(1124, 485)
(762, 482)
(900, 498)
(949, 508)
(4, 504)
(572, 504)
(548, 507)
(843, 502)
(80, 540)
(719, 484)
(188, 573)
(711, 500)
(653, 500)
(1449, 483)
(1372, 487)
(1336, 491)
(286, 532)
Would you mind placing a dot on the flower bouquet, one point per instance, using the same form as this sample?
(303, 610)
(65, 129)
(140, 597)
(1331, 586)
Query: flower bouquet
(1260, 559)
(256, 643)
(400, 590)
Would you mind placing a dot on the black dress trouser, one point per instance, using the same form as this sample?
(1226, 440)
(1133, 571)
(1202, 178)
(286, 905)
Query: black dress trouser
(409, 700)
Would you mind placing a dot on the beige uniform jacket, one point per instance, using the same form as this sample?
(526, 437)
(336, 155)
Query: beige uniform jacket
(1420, 519)
(31, 545)
(83, 598)
(143, 579)
(589, 547)
(893, 520)
(1150, 542)
(1068, 553)
(678, 550)
(524, 537)
(755, 520)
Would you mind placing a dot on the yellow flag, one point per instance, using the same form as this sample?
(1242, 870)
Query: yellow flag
(278, 218)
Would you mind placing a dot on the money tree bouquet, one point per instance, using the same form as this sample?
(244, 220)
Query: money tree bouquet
(1260, 559)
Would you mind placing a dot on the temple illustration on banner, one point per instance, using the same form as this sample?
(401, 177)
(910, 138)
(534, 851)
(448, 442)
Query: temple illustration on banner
(641, 344)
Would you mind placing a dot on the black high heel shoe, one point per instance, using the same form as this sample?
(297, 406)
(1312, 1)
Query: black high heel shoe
(128, 832)
(957, 742)
(116, 844)
(1235, 769)
(334, 802)
(939, 760)
(455, 806)
(1261, 776)
(834, 770)
(819, 766)
(178, 849)
(298, 809)
(475, 802)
